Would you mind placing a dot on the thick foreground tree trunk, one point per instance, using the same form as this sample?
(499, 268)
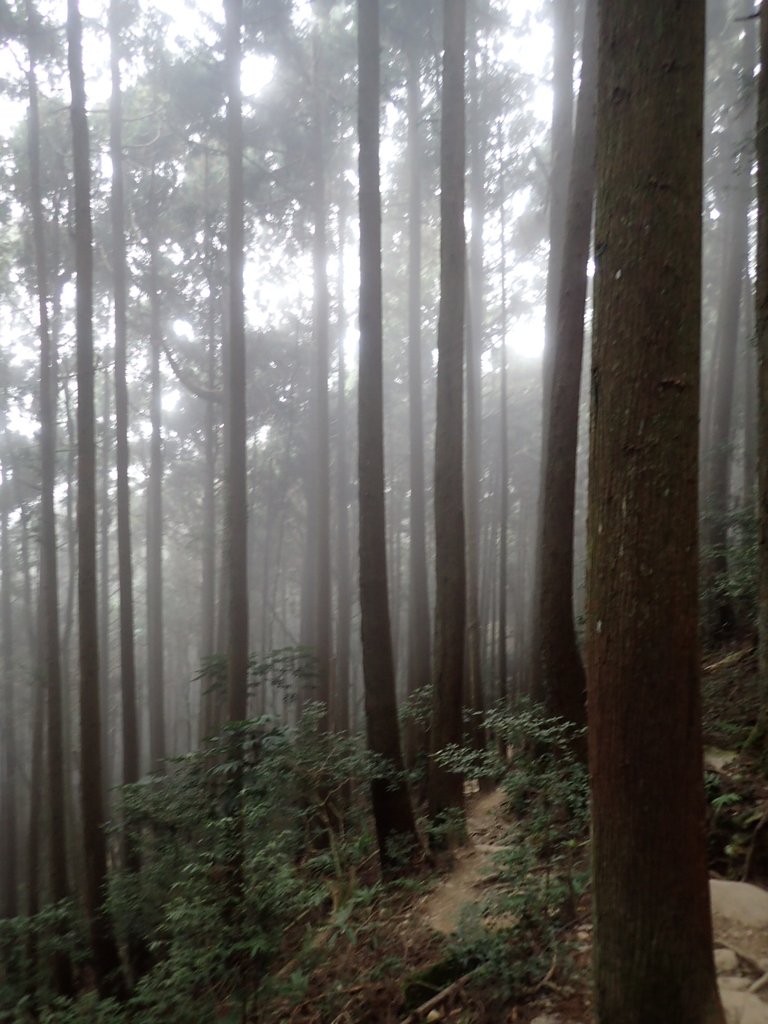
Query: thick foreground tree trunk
(653, 931)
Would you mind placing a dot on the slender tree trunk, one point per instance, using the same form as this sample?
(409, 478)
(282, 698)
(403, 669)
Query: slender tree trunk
(50, 654)
(343, 569)
(210, 702)
(9, 899)
(419, 630)
(104, 582)
(130, 727)
(103, 947)
(155, 609)
(475, 322)
(761, 318)
(501, 654)
(562, 683)
(321, 526)
(563, 38)
(446, 789)
(391, 804)
(653, 930)
(749, 370)
(37, 755)
(722, 614)
(237, 502)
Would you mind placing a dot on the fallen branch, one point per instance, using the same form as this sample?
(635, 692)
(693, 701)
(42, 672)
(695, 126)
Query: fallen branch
(730, 659)
(436, 1000)
(546, 979)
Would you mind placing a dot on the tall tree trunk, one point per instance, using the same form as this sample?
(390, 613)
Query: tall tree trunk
(321, 525)
(236, 487)
(105, 959)
(761, 318)
(9, 898)
(391, 804)
(419, 630)
(501, 654)
(36, 800)
(343, 569)
(563, 39)
(130, 727)
(104, 581)
(210, 700)
(50, 654)
(446, 789)
(562, 684)
(155, 609)
(653, 930)
(749, 378)
(475, 322)
(721, 612)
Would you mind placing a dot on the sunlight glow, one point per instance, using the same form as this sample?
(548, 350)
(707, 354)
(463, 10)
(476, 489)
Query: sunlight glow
(256, 72)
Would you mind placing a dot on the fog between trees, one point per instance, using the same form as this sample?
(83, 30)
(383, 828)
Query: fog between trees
(296, 383)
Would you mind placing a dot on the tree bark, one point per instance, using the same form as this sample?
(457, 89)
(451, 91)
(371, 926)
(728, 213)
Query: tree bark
(562, 684)
(392, 811)
(475, 323)
(720, 608)
(50, 654)
(343, 570)
(761, 318)
(419, 629)
(501, 653)
(130, 728)
(155, 610)
(653, 930)
(446, 789)
(9, 898)
(563, 39)
(104, 954)
(236, 520)
(321, 525)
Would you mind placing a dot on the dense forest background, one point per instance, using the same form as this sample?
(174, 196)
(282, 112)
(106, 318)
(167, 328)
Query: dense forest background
(294, 463)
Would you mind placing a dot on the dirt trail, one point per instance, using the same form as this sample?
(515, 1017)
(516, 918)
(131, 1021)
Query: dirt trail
(740, 915)
(472, 863)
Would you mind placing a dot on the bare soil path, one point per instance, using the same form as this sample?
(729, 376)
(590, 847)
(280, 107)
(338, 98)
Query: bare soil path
(740, 915)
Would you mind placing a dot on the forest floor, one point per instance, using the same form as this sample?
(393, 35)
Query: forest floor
(400, 955)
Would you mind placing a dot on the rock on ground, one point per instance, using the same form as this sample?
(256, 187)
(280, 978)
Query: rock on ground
(743, 1007)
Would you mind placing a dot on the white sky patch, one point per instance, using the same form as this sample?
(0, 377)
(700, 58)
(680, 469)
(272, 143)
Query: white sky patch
(303, 16)
(526, 335)
(21, 422)
(183, 329)
(256, 72)
(171, 399)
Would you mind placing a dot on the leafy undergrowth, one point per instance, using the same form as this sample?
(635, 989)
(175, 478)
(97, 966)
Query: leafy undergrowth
(735, 778)
(259, 898)
(255, 894)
